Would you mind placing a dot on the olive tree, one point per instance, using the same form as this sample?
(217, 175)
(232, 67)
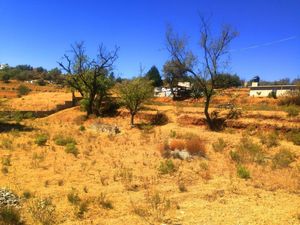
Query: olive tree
(206, 71)
(134, 93)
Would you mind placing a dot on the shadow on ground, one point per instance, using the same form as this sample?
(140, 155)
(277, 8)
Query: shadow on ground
(7, 127)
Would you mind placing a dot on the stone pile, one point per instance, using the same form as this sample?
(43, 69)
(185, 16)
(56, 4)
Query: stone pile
(7, 198)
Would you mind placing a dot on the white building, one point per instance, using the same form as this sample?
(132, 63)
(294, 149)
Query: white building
(181, 88)
(267, 90)
(2, 66)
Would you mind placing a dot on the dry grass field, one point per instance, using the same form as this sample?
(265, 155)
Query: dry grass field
(66, 172)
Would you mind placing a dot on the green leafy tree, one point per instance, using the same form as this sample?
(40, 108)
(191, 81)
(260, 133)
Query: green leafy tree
(226, 80)
(154, 75)
(4, 76)
(134, 93)
(90, 77)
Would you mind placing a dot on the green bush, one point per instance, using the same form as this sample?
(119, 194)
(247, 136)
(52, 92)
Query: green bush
(72, 149)
(220, 145)
(243, 172)
(167, 167)
(292, 110)
(294, 136)
(82, 128)
(234, 155)
(63, 141)
(283, 159)
(41, 139)
(10, 216)
(23, 90)
(159, 119)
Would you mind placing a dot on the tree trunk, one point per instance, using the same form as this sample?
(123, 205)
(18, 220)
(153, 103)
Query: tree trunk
(208, 119)
(132, 120)
(73, 98)
(89, 109)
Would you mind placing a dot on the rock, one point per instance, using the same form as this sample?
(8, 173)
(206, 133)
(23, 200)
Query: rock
(181, 154)
(8, 198)
(107, 128)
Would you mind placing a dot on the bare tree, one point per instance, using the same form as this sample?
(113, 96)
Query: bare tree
(90, 77)
(214, 50)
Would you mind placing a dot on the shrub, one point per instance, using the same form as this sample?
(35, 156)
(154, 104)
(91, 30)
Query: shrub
(167, 167)
(177, 144)
(234, 113)
(73, 198)
(63, 141)
(6, 161)
(283, 158)
(272, 94)
(4, 170)
(10, 216)
(182, 187)
(270, 140)
(243, 172)
(82, 128)
(294, 136)
(235, 156)
(72, 149)
(159, 119)
(27, 194)
(41, 139)
(105, 202)
(292, 110)
(109, 108)
(292, 98)
(196, 146)
(172, 134)
(23, 90)
(250, 151)
(82, 208)
(43, 211)
(220, 145)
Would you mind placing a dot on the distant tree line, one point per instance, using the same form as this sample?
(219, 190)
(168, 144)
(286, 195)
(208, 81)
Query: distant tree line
(27, 72)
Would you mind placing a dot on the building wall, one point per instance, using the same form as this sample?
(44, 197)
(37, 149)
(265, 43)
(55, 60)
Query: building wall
(265, 93)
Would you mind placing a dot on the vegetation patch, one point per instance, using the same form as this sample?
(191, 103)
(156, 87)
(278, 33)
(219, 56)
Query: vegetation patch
(63, 141)
(167, 167)
(243, 172)
(72, 149)
(41, 139)
(219, 145)
(283, 158)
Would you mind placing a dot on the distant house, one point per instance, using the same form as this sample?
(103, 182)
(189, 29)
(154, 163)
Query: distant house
(182, 89)
(267, 90)
(3, 66)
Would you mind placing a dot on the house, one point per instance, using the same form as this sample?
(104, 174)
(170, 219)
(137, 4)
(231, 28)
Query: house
(3, 66)
(182, 89)
(270, 90)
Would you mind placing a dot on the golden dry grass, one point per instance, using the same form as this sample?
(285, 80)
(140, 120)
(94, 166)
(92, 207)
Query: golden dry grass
(123, 170)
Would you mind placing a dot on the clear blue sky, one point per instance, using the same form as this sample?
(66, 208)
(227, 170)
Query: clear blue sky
(39, 32)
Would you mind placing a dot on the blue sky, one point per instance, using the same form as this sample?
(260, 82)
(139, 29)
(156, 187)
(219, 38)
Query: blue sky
(39, 32)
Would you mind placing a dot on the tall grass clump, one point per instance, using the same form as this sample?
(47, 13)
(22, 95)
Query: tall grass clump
(248, 151)
(219, 145)
(283, 158)
(63, 141)
(41, 139)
